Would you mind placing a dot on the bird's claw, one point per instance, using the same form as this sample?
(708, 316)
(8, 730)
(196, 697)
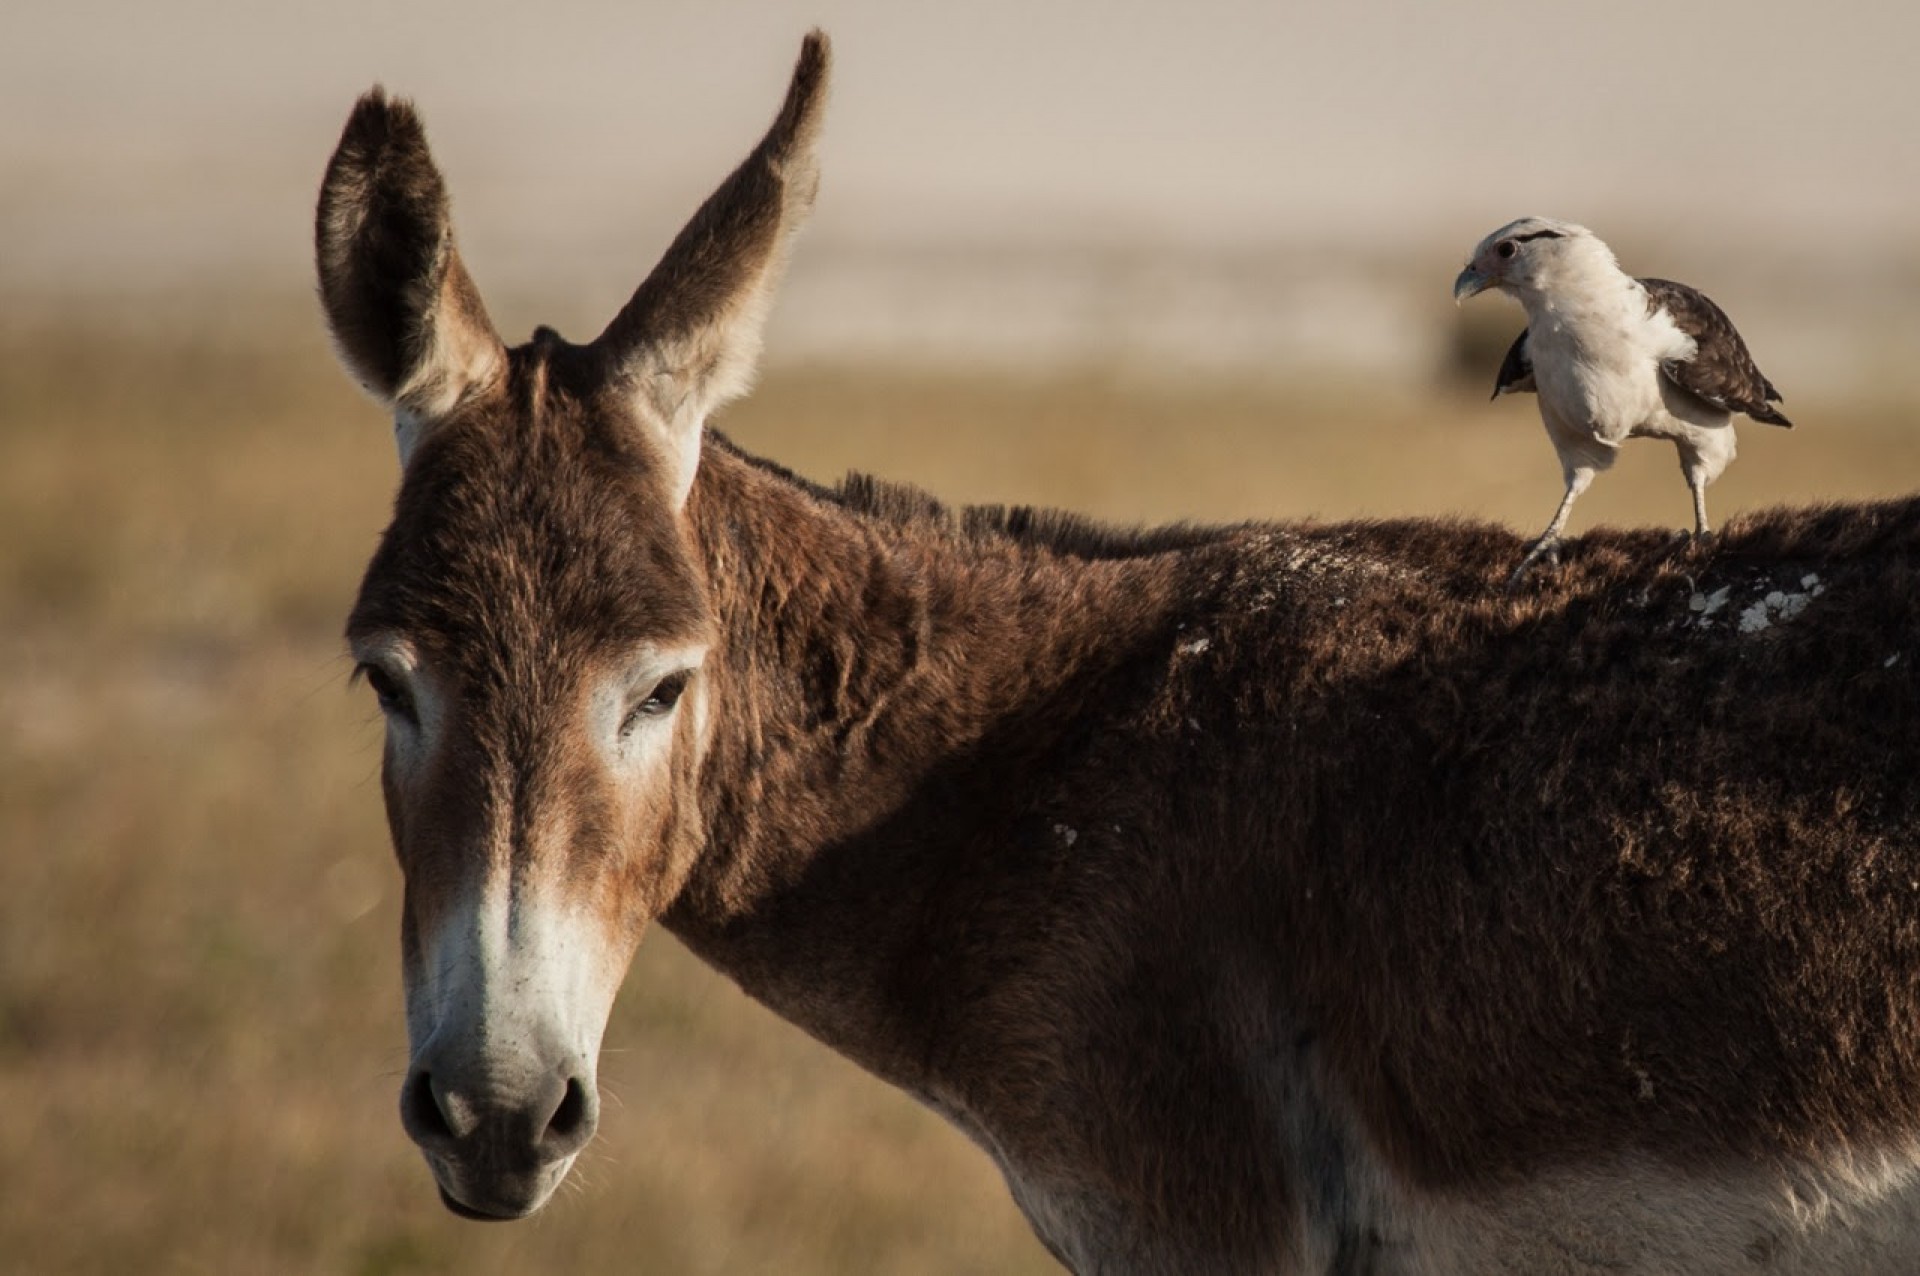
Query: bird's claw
(1547, 547)
(1687, 544)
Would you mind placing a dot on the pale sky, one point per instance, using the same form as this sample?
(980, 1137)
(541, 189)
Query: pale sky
(181, 143)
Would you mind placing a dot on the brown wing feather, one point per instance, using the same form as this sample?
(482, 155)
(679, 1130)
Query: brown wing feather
(1721, 370)
(1516, 370)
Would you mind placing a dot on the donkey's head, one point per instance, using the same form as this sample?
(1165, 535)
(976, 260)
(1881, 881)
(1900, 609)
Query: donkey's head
(534, 624)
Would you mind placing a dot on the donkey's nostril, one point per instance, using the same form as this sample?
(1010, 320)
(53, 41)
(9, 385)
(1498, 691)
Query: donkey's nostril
(572, 1122)
(571, 1112)
(421, 1114)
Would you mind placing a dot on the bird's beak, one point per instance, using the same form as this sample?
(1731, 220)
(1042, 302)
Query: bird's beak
(1470, 283)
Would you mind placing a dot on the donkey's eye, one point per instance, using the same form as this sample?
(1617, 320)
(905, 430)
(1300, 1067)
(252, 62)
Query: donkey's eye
(387, 689)
(660, 701)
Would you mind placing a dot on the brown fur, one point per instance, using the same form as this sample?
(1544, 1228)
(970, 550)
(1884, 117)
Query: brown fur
(1125, 849)
(391, 279)
(1544, 880)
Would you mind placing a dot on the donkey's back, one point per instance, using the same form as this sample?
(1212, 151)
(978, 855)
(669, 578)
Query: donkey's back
(1392, 922)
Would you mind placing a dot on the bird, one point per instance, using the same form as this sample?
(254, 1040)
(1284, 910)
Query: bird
(1614, 358)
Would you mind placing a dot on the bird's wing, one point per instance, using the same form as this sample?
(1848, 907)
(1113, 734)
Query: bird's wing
(1721, 371)
(1516, 370)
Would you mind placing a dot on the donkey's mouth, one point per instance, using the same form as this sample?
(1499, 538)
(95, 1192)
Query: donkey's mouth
(479, 1215)
(468, 1212)
(497, 1199)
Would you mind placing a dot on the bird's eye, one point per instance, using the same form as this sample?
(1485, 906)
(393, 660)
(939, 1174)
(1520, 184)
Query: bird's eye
(1504, 249)
(394, 698)
(660, 701)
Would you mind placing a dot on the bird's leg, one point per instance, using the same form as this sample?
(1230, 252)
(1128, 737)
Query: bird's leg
(1703, 456)
(1684, 545)
(1698, 482)
(1548, 546)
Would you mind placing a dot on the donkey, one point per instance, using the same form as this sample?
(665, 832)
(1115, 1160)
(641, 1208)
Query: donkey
(1264, 898)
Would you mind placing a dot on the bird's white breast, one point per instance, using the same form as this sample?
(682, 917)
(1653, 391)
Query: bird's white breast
(1596, 358)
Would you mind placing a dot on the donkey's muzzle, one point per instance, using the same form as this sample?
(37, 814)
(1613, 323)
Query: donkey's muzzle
(498, 1150)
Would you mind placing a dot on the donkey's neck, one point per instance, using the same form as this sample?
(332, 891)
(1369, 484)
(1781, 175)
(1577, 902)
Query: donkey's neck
(894, 702)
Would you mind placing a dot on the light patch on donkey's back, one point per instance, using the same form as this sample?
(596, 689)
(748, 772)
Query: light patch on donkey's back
(1778, 605)
(1765, 607)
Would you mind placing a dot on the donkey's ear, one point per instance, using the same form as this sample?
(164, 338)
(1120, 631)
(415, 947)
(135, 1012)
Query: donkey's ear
(408, 320)
(690, 338)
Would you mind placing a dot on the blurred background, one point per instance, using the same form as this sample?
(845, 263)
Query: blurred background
(1147, 261)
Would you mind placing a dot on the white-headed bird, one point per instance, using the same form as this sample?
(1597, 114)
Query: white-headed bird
(1615, 358)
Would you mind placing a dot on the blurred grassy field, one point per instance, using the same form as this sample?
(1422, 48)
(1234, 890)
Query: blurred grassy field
(200, 1033)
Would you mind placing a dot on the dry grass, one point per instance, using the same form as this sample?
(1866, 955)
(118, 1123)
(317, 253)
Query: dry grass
(200, 1037)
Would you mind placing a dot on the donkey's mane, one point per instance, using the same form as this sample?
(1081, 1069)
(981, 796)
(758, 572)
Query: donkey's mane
(914, 509)
(1812, 531)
